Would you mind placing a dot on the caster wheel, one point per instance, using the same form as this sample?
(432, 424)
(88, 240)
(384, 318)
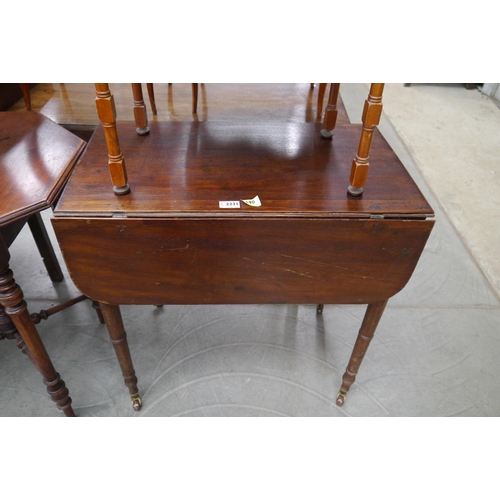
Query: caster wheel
(136, 402)
(340, 399)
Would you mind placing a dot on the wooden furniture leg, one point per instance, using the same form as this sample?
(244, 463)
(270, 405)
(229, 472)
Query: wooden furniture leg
(140, 115)
(12, 300)
(114, 322)
(151, 94)
(194, 88)
(331, 111)
(106, 111)
(25, 87)
(371, 118)
(9, 331)
(321, 98)
(45, 247)
(370, 321)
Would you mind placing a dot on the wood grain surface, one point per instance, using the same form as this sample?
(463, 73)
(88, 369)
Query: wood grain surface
(240, 261)
(187, 168)
(36, 158)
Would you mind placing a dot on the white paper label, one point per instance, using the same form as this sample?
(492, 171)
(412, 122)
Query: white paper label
(229, 204)
(253, 203)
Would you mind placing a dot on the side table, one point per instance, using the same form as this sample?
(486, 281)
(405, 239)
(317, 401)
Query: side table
(36, 159)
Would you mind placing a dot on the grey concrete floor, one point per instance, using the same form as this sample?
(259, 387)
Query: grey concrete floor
(435, 352)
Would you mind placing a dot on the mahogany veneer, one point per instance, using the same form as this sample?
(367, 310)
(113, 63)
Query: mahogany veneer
(167, 240)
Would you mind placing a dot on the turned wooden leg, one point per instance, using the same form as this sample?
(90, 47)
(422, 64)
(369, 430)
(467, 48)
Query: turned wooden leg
(151, 94)
(97, 308)
(371, 117)
(140, 114)
(25, 87)
(45, 247)
(321, 98)
(331, 111)
(106, 111)
(11, 298)
(113, 319)
(370, 321)
(194, 87)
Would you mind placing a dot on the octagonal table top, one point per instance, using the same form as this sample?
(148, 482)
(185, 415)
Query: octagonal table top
(36, 157)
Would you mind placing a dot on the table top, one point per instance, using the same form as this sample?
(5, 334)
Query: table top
(184, 169)
(36, 158)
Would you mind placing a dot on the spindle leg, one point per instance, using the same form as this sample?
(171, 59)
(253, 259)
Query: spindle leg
(12, 299)
(151, 94)
(370, 321)
(114, 322)
(140, 114)
(321, 98)
(106, 111)
(194, 88)
(371, 118)
(331, 111)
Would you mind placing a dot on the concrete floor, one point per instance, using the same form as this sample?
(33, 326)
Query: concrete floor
(435, 352)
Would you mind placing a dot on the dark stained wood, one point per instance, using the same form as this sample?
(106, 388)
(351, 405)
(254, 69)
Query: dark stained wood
(370, 322)
(187, 168)
(12, 300)
(45, 248)
(36, 158)
(240, 261)
(194, 87)
(114, 322)
(151, 94)
(169, 242)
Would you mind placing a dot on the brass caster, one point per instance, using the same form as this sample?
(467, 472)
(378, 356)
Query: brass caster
(136, 402)
(341, 398)
(319, 309)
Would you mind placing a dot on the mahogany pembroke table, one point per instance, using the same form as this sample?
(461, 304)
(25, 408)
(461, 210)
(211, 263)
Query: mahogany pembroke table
(161, 236)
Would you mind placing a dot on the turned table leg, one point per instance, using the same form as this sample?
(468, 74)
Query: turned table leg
(114, 322)
(106, 112)
(194, 98)
(371, 118)
(321, 98)
(140, 114)
(331, 111)
(151, 94)
(11, 298)
(370, 321)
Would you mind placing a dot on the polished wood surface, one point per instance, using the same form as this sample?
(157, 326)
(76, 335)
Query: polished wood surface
(240, 260)
(184, 169)
(72, 104)
(36, 158)
(168, 241)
